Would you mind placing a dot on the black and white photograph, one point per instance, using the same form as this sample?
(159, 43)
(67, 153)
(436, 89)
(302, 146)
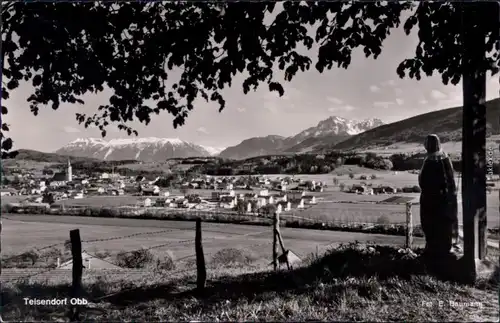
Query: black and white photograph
(242, 161)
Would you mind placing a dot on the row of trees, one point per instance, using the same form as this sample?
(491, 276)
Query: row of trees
(310, 164)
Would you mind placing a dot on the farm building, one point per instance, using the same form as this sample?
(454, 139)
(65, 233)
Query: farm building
(90, 262)
(7, 192)
(390, 190)
(147, 202)
(151, 191)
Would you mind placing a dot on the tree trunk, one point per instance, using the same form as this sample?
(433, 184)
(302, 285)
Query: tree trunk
(473, 137)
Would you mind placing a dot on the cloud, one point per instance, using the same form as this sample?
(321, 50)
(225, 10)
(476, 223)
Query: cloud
(374, 88)
(398, 91)
(271, 108)
(334, 100)
(346, 108)
(423, 101)
(241, 109)
(202, 130)
(454, 98)
(400, 101)
(382, 104)
(70, 129)
(438, 95)
(389, 83)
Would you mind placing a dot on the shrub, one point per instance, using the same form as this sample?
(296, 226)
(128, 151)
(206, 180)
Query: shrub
(416, 189)
(165, 262)
(232, 256)
(373, 176)
(363, 177)
(383, 220)
(351, 175)
(26, 259)
(135, 259)
(342, 187)
(145, 259)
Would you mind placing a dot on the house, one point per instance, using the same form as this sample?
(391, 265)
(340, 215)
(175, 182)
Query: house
(358, 189)
(8, 192)
(181, 203)
(264, 193)
(193, 198)
(161, 202)
(95, 190)
(55, 184)
(390, 189)
(89, 262)
(226, 199)
(151, 191)
(118, 191)
(147, 202)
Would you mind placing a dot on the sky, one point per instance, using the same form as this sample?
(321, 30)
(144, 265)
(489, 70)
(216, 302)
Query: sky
(367, 89)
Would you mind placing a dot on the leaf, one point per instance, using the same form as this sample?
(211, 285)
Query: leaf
(274, 86)
(12, 84)
(7, 144)
(37, 80)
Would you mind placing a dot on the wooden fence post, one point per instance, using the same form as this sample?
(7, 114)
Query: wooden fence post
(76, 288)
(409, 226)
(201, 270)
(276, 225)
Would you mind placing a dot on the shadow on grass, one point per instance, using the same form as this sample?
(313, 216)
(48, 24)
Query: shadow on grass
(348, 267)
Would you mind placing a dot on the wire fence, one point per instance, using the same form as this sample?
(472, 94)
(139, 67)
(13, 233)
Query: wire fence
(35, 255)
(323, 214)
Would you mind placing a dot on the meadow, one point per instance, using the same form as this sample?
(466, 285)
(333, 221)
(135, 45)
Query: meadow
(110, 236)
(353, 282)
(335, 281)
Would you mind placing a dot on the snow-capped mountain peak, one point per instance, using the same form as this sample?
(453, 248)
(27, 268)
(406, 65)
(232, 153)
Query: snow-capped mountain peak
(339, 126)
(145, 149)
(214, 151)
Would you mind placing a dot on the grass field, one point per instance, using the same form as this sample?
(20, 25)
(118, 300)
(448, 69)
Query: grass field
(350, 283)
(332, 211)
(22, 233)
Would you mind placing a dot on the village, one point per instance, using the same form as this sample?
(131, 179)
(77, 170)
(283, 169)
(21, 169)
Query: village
(58, 188)
(46, 189)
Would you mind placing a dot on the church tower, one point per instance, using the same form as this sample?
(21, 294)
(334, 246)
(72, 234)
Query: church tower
(69, 172)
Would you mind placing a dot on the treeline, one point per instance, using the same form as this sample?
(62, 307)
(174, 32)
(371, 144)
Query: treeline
(92, 167)
(320, 164)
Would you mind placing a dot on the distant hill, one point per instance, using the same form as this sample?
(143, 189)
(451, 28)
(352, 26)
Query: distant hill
(329, 131)
(38, 156)
(257, 146)
(447, 124)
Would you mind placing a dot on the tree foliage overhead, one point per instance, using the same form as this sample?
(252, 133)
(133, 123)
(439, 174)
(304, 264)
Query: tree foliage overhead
(69, 49)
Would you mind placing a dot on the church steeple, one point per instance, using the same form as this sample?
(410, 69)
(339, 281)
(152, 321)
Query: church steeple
(69, 172)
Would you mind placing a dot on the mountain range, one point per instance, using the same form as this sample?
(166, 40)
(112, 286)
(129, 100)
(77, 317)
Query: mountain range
(333, 133)
(328, 131)
(331, 130)
(144, 149)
